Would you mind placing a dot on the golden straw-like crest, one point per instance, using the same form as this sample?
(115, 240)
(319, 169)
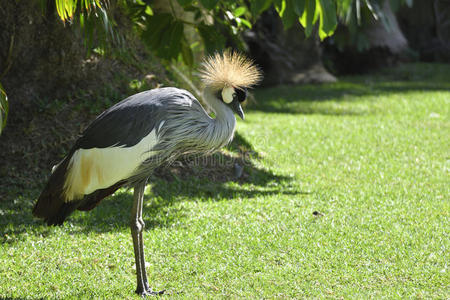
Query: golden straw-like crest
(229, 69)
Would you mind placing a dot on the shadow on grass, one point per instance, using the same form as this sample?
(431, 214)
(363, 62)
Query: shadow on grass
(210, 179)
(159, 205)
(309, 99)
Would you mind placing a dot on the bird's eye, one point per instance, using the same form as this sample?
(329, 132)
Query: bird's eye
(228, 94)
(241, 94)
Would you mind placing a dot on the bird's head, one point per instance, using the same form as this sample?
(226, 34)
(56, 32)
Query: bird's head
(228, 76)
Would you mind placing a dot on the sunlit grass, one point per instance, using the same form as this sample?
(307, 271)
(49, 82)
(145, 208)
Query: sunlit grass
(349, 199)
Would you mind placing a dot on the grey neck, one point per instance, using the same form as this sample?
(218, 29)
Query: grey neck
(225, 121)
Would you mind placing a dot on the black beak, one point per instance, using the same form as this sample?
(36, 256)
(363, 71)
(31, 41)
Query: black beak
(237, 108)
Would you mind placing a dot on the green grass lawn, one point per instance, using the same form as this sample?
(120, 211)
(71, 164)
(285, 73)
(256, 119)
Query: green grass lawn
(349, 198)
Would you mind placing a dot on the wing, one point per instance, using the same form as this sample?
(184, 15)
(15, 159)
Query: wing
(127, 122)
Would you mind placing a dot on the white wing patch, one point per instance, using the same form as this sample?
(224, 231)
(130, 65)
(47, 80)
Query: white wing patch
(99, 168)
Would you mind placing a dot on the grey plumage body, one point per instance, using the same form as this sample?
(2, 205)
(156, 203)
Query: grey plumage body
(124, 144)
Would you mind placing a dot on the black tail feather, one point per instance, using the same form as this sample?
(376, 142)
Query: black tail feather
(51, 205)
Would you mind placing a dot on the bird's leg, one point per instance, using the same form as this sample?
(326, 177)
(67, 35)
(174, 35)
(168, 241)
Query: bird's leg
(137, 227)
(136, 233)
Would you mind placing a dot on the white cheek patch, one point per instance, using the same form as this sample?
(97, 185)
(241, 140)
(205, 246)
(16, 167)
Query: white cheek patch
(227, 94)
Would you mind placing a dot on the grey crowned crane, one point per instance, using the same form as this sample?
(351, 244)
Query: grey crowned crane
(125, 143)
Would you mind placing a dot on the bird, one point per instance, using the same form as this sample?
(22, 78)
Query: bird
(125, 143)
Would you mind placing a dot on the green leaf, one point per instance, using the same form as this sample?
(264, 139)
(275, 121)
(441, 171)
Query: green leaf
(156, 27)
(186, 53)
(177, 35)
(328, 20)
(308, 16)
(258, 6)
(4, 108)
(209, 4)
(288, 16)
(246, 23)
(280, 7)
(239, 11)
(316, 14)
(66, 8)
(299, 6)
(149, 10)
(170, 46)
(212, 39)
(344, 5)
(345, 9)
(88, 26)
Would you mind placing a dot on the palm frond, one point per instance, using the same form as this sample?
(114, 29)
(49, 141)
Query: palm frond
(66, 9)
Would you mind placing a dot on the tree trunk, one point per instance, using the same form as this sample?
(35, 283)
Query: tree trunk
(286, 57)
(391, 38)
(373, 45)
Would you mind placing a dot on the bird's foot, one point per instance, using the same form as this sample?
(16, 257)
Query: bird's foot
(149, 292)
(152, 292)
(156, 293)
